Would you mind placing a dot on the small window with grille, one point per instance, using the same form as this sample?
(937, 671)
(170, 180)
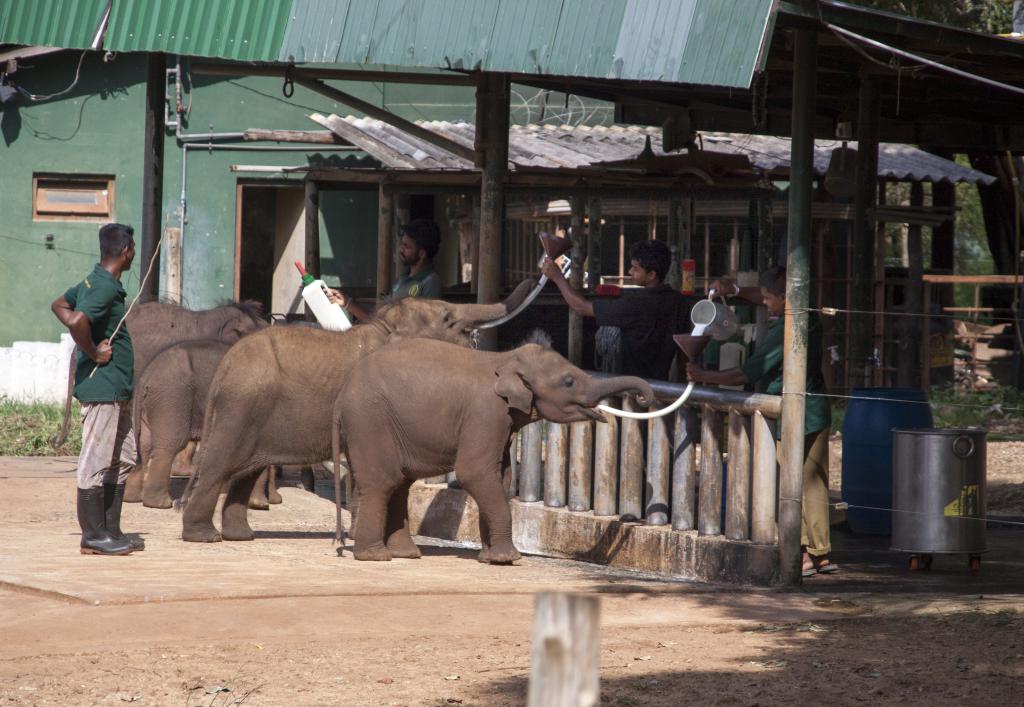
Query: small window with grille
(70, 197)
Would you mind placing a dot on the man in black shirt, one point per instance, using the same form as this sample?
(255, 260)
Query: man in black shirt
(647, 317)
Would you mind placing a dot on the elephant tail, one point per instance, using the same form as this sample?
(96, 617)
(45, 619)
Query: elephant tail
(339, 532)
(61, 437)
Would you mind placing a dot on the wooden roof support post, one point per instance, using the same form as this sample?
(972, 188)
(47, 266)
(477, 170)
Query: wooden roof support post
(579, 206)
(311, 208)
(910, 327)
(794, 366)
(492, 106)
(594, 242)
(863, 266)
(152, 172)
(385, 240)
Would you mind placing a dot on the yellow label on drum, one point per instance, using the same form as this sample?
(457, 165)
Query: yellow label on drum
(964, 505)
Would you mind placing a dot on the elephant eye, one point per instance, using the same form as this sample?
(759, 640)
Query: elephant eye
(569, 381)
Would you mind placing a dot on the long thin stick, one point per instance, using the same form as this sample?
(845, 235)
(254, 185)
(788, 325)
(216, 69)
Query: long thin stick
(142, 285)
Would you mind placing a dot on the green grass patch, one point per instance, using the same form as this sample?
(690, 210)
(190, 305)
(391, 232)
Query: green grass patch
(27, 428)
(1000, 411)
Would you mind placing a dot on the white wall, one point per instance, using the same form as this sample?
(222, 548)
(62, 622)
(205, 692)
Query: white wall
(36, 371)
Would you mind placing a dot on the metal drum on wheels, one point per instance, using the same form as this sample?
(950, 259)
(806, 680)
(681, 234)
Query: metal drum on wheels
(938, 493)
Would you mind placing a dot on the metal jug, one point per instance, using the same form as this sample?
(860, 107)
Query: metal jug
(714, 319)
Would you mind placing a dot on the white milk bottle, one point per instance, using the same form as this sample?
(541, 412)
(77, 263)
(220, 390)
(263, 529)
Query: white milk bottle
(314, 293)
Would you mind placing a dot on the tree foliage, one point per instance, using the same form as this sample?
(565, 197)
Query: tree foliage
(993, 16)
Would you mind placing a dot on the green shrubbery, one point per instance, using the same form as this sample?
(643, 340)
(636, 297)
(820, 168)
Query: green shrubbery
(27, 428)
(1000, 411)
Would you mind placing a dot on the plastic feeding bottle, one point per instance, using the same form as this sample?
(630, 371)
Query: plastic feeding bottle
(314, 293)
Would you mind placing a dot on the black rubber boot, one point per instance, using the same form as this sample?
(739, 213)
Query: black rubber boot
(113, 497)
(95, 538)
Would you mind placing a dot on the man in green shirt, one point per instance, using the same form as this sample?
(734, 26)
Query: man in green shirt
(421, 239)
(766, 366)
(92, 311)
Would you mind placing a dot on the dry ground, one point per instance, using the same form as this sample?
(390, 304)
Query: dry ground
(284, 621)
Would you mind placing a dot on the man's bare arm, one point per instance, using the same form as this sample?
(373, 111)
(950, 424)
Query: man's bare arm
(79, 326)
(576, 301)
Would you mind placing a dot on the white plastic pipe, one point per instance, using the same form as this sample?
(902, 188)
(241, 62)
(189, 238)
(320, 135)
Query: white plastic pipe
(529, 298)
(650, 415)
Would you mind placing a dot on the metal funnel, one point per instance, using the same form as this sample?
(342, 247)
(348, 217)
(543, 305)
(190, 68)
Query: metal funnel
(554, 246)
(692, 346)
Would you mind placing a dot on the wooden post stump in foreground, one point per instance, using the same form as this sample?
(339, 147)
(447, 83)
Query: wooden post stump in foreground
(566, 651)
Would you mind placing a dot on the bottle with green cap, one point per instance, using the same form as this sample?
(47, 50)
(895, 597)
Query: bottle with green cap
(314, 293)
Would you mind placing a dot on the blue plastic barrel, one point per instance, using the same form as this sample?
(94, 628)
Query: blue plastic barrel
(867, 450)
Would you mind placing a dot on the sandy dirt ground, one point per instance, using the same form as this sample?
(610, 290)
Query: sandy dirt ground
(284, 621)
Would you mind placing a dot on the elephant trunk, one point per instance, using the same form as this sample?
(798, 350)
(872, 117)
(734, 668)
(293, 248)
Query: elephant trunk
(601, 388)
(473, 315)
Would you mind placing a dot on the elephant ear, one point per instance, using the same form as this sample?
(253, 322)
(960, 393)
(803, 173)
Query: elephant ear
(512, 389)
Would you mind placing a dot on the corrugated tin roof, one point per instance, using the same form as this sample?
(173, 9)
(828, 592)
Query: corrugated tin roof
(244, 30)
(230, 29)
(712, 42)
(50, 23)
(571, 147)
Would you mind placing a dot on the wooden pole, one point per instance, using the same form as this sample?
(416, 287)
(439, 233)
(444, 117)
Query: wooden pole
(531, 473)
(576, 279)
(709, 518)
(737, 495)
(794, 363)
(863, 276)
(606, 464)
(385, 240)
(581, 465)
(594, 242)
(311, 212)
(763, 497)
(684, 469)
(555, 465)
(152, 172)
(910, 330)
(492, 106)
(631, 467)
(656, 509)
(566, 653)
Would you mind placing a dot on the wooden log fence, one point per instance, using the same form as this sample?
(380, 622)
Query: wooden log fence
(710, 466)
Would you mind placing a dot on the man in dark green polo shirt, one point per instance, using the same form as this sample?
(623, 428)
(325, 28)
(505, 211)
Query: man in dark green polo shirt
(92, 310)
(766, 366)
(421, 239)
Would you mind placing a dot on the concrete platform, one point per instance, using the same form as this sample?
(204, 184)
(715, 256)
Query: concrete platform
(440, 512)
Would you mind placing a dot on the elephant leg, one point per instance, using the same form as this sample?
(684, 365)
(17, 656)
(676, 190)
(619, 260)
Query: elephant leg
(156, 490)
(213, 467)
(399, 541)
(133, 485)
(308, 479)
(184, 461)
(258, 501)
(487, 490)
(234, 524)
(273, 496)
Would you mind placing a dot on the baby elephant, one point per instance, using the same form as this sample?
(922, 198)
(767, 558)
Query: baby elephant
(169, 402)
(416, 408)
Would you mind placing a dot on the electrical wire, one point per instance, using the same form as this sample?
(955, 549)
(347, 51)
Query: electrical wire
(33, 97)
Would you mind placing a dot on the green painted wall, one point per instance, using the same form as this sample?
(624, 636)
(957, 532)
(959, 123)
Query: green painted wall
(96, 128)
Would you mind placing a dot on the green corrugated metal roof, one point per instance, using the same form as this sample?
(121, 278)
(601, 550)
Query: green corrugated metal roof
(245, 30)
(51, 23)
(716, 42)
(712, 42)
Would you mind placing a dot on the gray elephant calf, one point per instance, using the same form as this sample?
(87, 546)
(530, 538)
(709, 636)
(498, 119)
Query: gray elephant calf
(416, 408)
(169, 401)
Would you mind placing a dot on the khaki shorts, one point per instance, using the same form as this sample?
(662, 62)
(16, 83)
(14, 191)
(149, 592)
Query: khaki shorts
(108, 444)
